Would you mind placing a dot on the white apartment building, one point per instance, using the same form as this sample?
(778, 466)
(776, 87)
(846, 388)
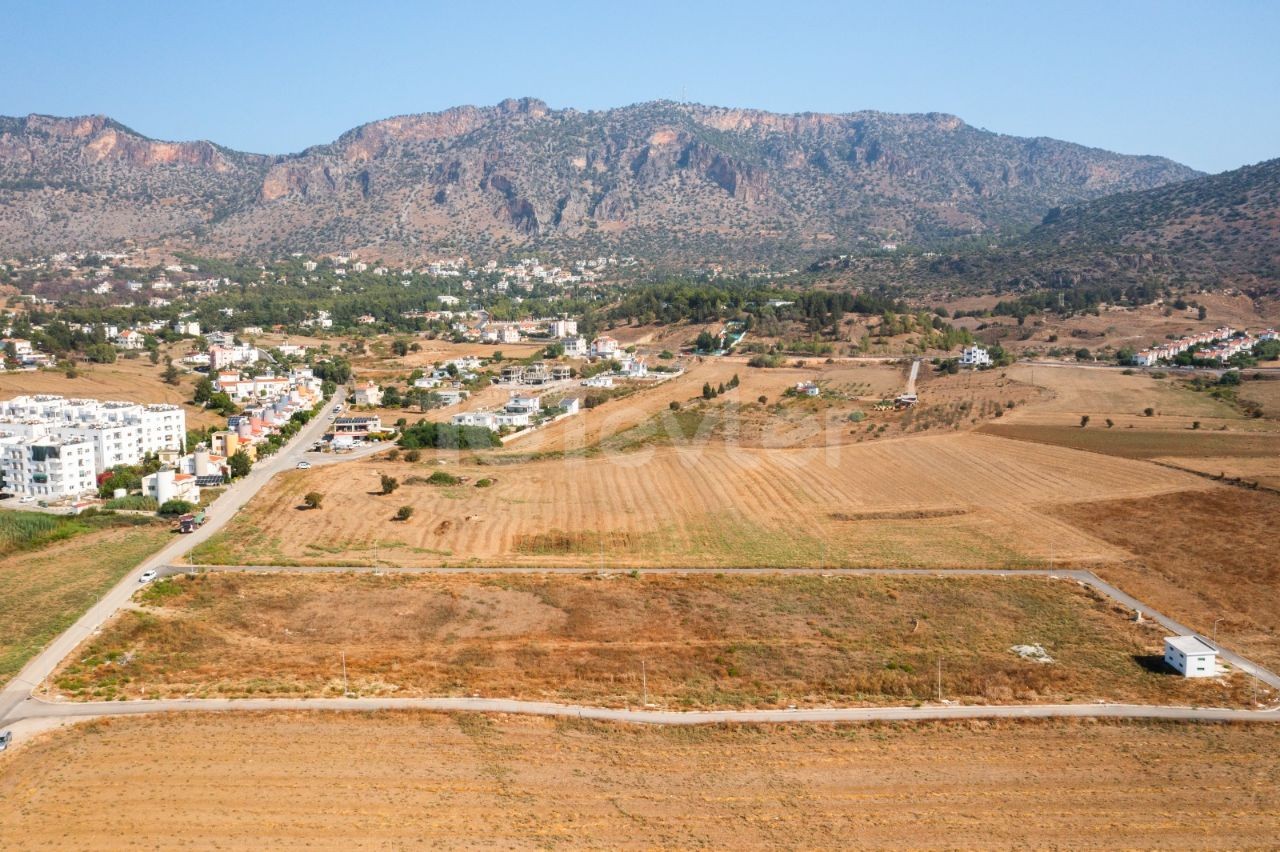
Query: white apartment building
(115, 432)
(47, 467)
(564, 328)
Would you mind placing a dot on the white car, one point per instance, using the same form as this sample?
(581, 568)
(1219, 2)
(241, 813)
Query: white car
(26, 498)
(147, 576)
(304, 465)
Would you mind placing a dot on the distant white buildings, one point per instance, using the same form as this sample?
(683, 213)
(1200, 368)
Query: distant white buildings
(130, 339)
(603, 346)
(223, 357)
(562, 328)
(1217, 345)
(1191, 656)
(975, 356)
(576, 347)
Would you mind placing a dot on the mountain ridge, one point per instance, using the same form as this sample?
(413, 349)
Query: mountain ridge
(671, 181)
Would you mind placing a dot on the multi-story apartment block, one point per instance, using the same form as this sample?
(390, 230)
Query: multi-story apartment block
(111, 433)
(46, 466)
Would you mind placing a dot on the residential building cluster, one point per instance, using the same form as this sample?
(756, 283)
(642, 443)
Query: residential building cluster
(1217, 345)
(53, 447)
(268, 402)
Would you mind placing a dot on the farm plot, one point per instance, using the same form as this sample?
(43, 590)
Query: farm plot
(351, 780)
(1145, 443)
(702, 506)
(722, 641)
(1198, 556)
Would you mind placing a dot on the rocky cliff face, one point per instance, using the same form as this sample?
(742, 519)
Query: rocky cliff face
(677, 182)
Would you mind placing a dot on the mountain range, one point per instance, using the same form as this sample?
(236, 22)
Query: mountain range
(671, 182)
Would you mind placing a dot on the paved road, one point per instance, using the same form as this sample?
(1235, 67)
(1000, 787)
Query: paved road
(36, 709)
(218, 514)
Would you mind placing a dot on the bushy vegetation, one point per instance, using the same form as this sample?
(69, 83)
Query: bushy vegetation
(445, 436)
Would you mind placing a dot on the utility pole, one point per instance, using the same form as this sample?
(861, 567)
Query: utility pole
(346, 690)
(939, 679)
(1215, 631)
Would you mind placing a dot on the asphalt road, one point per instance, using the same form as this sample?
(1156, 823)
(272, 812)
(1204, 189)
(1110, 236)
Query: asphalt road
(218, 514)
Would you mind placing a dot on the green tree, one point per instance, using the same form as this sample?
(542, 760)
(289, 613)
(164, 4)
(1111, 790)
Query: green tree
(404, 513)
(313, 499)
(707, 391)
(389, 483)
(1084, 420)
(239, 464)
(204, 391)
(171, 374)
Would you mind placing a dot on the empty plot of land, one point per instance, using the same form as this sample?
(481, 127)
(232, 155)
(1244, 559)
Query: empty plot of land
(1110, 393)
(344, 781)
(1198, 556)
(702, 506)
(706, 641)
(1143, 443)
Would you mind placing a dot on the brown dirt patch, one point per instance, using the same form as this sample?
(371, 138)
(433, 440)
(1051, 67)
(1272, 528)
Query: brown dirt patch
(343, 781)
(1198, 556)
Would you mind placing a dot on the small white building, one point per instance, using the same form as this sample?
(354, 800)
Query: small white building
(168, 484)
(368, 393)
(1191, 656)
(975, 356)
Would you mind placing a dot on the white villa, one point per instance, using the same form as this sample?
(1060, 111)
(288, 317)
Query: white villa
(975, 356)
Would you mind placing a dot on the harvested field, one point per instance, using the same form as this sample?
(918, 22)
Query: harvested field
(43, 591)
(1198, 556)
(704, 505)
(1144, 443)
(707, 642)
(344, 781)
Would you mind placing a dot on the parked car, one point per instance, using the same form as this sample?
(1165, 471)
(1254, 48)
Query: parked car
(147, 576)
(26, 498)
(6, 737)
(304, 465)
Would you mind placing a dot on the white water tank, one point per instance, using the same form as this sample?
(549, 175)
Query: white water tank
(202, 465)
(165, 488)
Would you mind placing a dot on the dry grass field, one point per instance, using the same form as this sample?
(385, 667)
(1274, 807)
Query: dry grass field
(392, 780)
(1198, 556)
(939, 501)
(707, 641)
(133, 380)
(1102, 393)
(43, 591)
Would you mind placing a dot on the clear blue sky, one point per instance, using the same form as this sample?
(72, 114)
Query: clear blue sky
(1195, 81)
